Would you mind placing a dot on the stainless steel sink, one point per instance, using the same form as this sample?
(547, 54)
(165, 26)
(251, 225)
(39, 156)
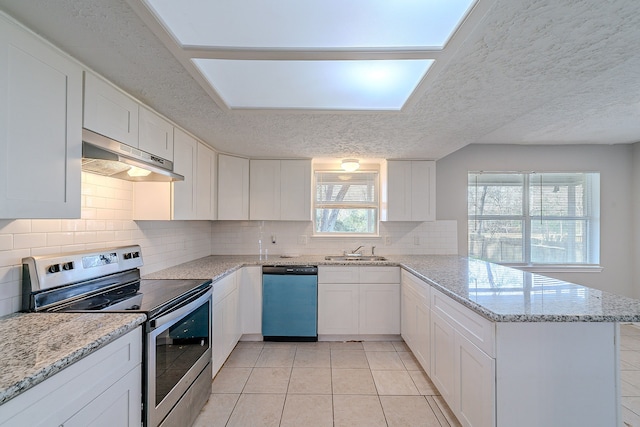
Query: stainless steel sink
(354, 258)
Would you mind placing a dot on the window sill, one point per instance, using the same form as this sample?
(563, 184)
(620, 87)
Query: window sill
(559, 268)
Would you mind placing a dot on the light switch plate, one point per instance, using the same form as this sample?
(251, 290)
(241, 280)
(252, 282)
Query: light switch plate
(302, 239)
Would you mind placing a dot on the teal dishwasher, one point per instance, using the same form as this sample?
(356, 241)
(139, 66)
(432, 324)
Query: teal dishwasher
(290, 303)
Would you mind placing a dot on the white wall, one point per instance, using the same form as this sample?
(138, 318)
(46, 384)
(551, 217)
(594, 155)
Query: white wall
(105, 222)
(615, 164)
(409, 238)
(636, 218)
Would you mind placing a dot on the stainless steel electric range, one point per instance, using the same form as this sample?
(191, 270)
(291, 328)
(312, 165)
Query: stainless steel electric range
(177, 343)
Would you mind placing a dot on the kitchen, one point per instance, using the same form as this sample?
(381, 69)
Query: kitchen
(107, 205)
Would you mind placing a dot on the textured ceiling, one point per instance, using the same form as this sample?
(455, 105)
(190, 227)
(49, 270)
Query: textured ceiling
(532, 72)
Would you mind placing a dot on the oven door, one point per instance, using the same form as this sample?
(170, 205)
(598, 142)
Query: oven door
(178, 351)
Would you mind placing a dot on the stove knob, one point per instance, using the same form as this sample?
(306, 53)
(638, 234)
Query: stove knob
(54, 268)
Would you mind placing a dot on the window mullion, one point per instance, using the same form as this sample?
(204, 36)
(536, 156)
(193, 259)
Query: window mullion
(526, 219)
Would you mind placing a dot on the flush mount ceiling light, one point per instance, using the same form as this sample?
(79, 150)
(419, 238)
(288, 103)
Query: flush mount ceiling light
(314, 55)
(350, 165)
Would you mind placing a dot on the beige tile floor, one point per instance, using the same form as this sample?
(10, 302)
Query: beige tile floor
(324, 384)
(630, 374)
(353, 384)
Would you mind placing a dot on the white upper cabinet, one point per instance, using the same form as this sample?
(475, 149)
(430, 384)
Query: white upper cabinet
(206, 183)
(264, 189)
(109, 111)
(295, 190)
(41, 127)
(233, 188)
(184, 162)
(191, 199)
(280, 190)
(411, 186)
(114, 114)
(155, 134)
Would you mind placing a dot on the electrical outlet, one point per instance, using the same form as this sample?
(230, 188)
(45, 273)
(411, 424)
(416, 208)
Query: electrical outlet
(387, 240)
(416, 240)
(302, 239)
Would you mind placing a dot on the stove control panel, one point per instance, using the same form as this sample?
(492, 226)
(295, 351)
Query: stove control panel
(49, 271)
(56, 268)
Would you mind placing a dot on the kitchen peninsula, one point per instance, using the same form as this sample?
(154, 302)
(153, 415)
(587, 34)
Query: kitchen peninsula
(505, 347)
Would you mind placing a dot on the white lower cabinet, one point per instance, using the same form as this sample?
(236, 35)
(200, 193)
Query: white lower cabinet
(442, 358)
(461, 367)
(101, 390)
(474, 379)
(338, 309)
(227, 327)
(251, 300)
(379, 308)
(415, 317)
(358, 300)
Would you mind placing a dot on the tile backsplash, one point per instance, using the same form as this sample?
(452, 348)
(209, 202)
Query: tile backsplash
(295, 238)
(106, 221)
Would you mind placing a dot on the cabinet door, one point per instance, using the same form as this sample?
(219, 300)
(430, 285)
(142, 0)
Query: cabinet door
(206, 183)
(295, 190)
(110, 112)
(218, 352)
(184, 192)
(264, 190)
(399, 188)
(407, 315)
(379, 309)
(251, 300)
(233, 188)
(231, 324)
(422, 350)
(474, 381)
(155, 134)
(117, 406)
(423, 191)
(442, 357)
(40, 127)
(338, 312)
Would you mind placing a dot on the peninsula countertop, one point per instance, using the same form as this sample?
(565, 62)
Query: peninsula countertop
(35, 346)
(498, 293)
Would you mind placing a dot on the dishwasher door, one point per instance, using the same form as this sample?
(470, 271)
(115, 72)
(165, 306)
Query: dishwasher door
(289, 307)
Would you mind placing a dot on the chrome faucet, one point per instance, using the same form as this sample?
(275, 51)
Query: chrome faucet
(355, 251)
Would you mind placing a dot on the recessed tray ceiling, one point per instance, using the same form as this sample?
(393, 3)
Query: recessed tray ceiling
(282, 24)
(332, 85)
(312, 55)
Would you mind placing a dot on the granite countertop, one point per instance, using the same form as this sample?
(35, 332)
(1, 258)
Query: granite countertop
(496, 292)
(35, 346)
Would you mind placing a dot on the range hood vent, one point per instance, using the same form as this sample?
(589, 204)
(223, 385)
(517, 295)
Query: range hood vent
(104, 156)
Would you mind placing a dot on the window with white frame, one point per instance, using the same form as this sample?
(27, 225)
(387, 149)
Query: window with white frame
(534, 218)
(346, 203)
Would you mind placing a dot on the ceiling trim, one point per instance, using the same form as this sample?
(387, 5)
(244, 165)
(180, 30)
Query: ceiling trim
(310, 54)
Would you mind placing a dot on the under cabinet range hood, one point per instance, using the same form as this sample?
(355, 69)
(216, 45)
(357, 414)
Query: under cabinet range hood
(104, 156)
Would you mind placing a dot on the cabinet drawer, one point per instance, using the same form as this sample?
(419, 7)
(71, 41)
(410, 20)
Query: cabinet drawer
(417, 286)
(224, 287)
(330, 274)
(474, 327)
(379, 274)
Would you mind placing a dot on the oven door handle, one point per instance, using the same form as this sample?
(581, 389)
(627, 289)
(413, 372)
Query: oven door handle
(181, 310)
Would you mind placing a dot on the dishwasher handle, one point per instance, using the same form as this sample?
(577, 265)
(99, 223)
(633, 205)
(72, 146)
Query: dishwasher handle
(298, 270)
